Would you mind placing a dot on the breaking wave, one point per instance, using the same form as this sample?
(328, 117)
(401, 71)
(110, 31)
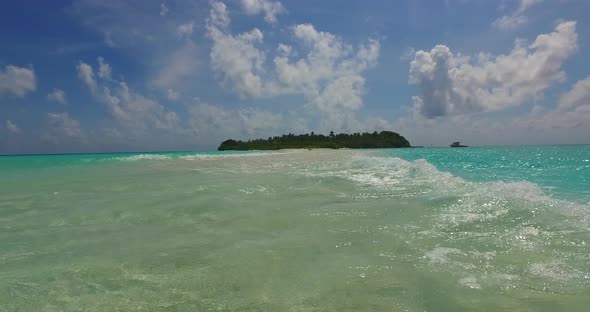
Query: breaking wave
(143, 157)
(475, 229)
(402, 178)
(196, 156)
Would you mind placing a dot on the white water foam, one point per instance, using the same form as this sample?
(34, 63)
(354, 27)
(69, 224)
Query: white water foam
(222, 156)
(470, 281)
(475, 201)
(195, 156)
(441, 254)
(143, 157)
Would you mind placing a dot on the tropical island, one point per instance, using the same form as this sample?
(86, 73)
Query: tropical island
(383, 139)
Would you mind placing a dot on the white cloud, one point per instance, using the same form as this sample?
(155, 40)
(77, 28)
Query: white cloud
(516, 19)
(172, 94)
(136, 110)
(579, 95)
(58, 96)
(104, 70)
(450, 84)
(325, 70)
(131, 109)
(168, 61)
(17, 81)
(330, 73)
(572, 111)
(570, 125)
(566, 123)
(259, 123)
(284, 50)
(163, 9)
(577, 117)
(408, 54)
(186, 29)
(270, 9)
(108, 40)
(236, 58)
(86, 74)
(526, 4)
(13, 128)
(176, 68)
(61, 125)
(536, 127)
(239, 60)
(341, 94)
(218, 15)
(212, 124)
(509, 22)
(122, 24)
(113, 103)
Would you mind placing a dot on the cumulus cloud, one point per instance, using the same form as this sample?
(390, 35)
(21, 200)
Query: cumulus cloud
(58, 96)
(86, 74)
(186, 29)
(172, 94)
(330, 74)
(242, 61)
(122, 24)
(130, 108)
(270, 9)
(175, 69)
(570, 119)
(408, 54)
(509, 22)
(517, 18)
(239, 61)
(284, 50)
(62, 126)
(168, 49)
(12, 128)
(572, 111)
(137, 110)
(578, 96)
(218, 15)
(213, 123)
(163, 9)
(526, 4)
(17, 81)
(452, 84)
(108, 40)
(113, 103)
(236, 58)
(327, 71)
(536, 127)
(568, 122)
(577, 117)
(104, 69)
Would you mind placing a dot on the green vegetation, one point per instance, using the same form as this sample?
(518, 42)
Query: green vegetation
(383, 139)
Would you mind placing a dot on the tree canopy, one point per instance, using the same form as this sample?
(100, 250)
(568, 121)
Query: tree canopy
(383, 139)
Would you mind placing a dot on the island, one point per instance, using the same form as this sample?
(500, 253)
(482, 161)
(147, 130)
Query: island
(383, 139)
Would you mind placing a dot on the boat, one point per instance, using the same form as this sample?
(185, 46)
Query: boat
(457, 144)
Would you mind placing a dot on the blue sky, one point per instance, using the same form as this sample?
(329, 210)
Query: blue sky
(102, 75)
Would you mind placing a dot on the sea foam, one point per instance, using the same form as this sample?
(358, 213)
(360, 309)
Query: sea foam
(475, 201)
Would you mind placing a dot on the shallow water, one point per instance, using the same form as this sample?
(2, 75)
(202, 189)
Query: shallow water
(373, 230)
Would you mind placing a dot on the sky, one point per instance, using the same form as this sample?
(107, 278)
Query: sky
(142, 75)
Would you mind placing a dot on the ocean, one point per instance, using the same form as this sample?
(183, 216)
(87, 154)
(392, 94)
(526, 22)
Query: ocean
(425, 229)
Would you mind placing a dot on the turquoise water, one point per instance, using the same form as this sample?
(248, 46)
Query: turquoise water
(20, 162)
(433, 229)
(562, 171)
